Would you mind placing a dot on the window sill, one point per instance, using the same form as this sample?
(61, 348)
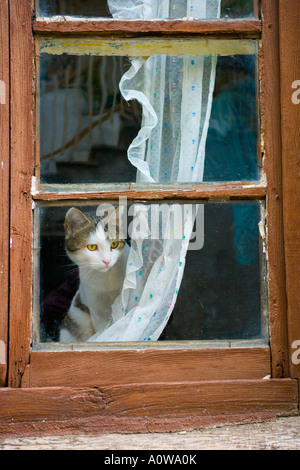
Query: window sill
(114, 367)
(144, 407)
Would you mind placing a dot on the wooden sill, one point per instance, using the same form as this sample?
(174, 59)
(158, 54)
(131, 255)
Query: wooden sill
(143, 407)
(97, 368)
(248, 28)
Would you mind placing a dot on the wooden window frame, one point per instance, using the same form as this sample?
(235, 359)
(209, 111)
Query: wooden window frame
(4, 187)
(155, 388)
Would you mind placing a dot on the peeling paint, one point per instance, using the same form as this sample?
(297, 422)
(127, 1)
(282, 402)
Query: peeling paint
(2, 92)
(33, 186)
(148, 46)
(2, 353)
(262, 231)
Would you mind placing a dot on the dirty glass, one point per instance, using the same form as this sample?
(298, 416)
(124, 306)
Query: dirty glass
(86, 126)
(222, 291)
(99, 8)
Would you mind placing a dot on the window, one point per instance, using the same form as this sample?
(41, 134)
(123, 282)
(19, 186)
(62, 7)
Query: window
(167, 116)
(192, 116)
(86, 130)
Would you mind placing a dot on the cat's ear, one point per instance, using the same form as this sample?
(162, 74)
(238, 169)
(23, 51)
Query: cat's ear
(75, 221)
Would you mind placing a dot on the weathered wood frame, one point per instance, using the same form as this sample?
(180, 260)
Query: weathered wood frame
(187, 385)
(4, 187)
(289, 18)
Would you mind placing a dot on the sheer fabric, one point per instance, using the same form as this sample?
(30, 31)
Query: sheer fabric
(175, 93)
(176, 97)
(154, 9)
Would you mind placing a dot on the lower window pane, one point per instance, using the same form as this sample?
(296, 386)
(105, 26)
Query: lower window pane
(171, 272)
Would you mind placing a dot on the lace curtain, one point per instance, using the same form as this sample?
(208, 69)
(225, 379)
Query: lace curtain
(175, 93)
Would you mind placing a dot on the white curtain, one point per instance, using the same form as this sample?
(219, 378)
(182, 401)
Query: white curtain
(176, 97)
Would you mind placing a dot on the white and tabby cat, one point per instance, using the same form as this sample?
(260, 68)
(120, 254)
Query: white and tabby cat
(100, 252)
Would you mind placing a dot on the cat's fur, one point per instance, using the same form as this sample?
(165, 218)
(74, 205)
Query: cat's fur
(101, 274)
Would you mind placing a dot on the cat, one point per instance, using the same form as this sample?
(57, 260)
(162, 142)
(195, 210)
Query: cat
(100, 252)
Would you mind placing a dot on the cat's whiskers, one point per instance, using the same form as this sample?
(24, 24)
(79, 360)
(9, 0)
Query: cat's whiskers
(73, 268)
(90, 269)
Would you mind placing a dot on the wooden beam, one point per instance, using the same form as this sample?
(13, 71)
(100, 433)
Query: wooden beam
(290, 112)
(269, 69)
(256, 9)
(4, 186)
(217, 191)
(225, 28)
(21, 52)
(111, 367)
(142, 407)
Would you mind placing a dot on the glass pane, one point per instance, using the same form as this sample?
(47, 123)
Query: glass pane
(220, 296)
(86, 127)
(100, 8)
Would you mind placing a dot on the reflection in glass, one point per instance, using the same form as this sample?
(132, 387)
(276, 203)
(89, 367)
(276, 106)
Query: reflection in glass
(86, 127)
(221, 295)
(232, 142)
(99, 8)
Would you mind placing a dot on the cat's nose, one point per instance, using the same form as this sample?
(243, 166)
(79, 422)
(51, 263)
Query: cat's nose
(106, 262)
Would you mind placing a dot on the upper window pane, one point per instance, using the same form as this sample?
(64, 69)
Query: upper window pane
(139, 9)
(183, 117)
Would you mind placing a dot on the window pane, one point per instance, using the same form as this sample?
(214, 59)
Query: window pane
(86, 127)
(221, 295)
(100, 8)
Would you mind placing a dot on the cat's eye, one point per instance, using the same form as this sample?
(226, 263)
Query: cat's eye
(92, 247)
(114, 245)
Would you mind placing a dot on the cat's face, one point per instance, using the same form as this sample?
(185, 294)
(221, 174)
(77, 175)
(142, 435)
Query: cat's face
(90, 244)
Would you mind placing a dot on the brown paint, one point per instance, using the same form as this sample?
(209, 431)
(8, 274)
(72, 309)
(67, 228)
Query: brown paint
(172, 398)
(21, 147)
(216, 191)
(4, 187)
(230, 28)
(290, 71)
(112, 367)
(104, 408)
(271, 128)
